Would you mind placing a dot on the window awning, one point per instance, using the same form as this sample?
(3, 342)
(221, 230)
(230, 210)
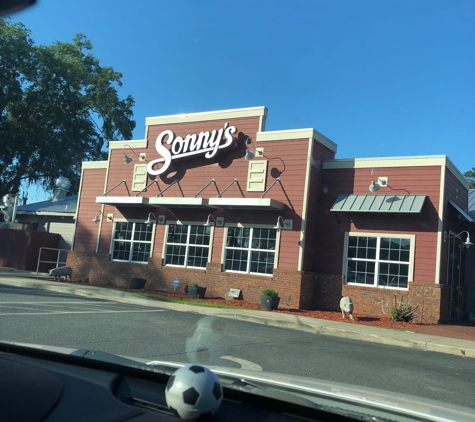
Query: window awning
(122, 201)
(134, 201)
(379, 203)
(246, 203)
(178, 202)
(462, 212)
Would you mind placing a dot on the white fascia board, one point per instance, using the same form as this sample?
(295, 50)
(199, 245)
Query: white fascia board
(140, 143)
(289, 135)
(52, 214)
(94, 165)
(412, 161)
(417, 161)
(208, 115)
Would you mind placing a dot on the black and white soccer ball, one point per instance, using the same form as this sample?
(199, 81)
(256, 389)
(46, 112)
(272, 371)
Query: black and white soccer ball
(193, 391)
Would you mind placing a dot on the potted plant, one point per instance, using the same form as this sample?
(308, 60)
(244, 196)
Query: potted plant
(269, 299)
(196, 291)
(137, 282)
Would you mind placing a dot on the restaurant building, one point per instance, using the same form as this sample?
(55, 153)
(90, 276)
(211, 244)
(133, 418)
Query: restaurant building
(212, 198)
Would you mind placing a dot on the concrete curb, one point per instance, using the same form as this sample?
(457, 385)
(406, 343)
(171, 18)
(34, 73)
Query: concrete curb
(406, 339)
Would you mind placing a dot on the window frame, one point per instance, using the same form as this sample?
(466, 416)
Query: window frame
(134, 221)
(377, 260)
(252, 226)
(187, 223)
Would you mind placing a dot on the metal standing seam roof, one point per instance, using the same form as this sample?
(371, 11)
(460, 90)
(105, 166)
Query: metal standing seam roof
(66, 205)
(471, 201)
(379, 203)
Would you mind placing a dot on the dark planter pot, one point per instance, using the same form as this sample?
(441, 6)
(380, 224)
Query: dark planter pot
(137, 283)
(271, 303)
(196, 291)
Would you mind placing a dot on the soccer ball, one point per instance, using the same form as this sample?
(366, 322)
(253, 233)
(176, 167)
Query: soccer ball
(193, 391)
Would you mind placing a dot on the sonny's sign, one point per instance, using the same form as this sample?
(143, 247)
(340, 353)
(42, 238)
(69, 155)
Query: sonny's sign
(205, 143)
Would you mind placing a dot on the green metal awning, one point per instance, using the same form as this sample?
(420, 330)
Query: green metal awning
(379, 203)
(462, 212)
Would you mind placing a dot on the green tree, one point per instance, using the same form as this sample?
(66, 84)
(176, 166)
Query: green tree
(470, 176)
(58, 107)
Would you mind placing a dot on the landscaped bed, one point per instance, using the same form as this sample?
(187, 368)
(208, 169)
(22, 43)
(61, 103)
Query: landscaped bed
(386, 322)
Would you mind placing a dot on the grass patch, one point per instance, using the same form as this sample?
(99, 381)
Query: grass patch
(193, 302)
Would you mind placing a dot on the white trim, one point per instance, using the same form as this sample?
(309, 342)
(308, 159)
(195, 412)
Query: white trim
(87, 165)
(187, 223)
(134, 220)
(292, 134)
(440, 225)
(410, 276)
(140, 143)
(355, 163)
(251, 225)
(208, 116)
(305, 205)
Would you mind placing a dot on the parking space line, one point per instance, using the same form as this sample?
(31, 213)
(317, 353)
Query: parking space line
(46, 312)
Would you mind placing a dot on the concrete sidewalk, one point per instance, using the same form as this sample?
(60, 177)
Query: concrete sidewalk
(464, 346)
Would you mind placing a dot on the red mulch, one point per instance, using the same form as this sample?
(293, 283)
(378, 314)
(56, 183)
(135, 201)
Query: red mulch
(327, 315)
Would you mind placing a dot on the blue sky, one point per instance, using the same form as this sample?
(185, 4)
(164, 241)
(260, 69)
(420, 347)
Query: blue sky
(378, 77)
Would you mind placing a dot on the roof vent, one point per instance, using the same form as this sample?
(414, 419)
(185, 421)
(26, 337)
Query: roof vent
(62, 186)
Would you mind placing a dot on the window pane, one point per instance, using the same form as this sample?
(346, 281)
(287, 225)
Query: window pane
(175, 255)
(177, 233)
(140, 252)
(236, 260)
(121, 251)
(143, 232)
(264, 239)
(393, 275)
(360, 272)
(262, 262)
(198, 257)
(199, 235)
(238, 237)
(123, 230)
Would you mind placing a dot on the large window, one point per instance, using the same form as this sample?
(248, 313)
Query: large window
(379, 261)
(132, 242)
(250, 250)
(187, 245)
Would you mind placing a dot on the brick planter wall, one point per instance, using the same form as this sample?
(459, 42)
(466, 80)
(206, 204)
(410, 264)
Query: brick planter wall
(100, 270)
(376, 302)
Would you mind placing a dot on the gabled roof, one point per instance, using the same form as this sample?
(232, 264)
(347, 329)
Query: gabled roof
(67, 205)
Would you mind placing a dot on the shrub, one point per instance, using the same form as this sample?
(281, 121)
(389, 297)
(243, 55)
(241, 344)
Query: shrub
(195, 285)
(403, 310)
(269, 292)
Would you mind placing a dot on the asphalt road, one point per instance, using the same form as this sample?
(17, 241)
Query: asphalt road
(42, 317)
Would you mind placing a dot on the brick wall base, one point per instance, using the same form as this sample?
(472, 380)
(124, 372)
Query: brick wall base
(300, 290)
(98, 269)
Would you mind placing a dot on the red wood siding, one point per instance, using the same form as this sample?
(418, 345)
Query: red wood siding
(331, 227)
(286, 160)
(86, 230)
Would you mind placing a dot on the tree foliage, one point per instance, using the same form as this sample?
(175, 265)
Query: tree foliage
(470, 176)
(58, 107)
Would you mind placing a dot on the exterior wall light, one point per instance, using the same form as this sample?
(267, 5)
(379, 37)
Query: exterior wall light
(149, 221)
(279, 226)
(374, 186)
(467, 243)
(128, 159)
(208, 221)
(249, 154)
(96, 219)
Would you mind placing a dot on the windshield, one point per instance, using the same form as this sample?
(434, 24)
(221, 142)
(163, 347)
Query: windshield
(278, 187)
